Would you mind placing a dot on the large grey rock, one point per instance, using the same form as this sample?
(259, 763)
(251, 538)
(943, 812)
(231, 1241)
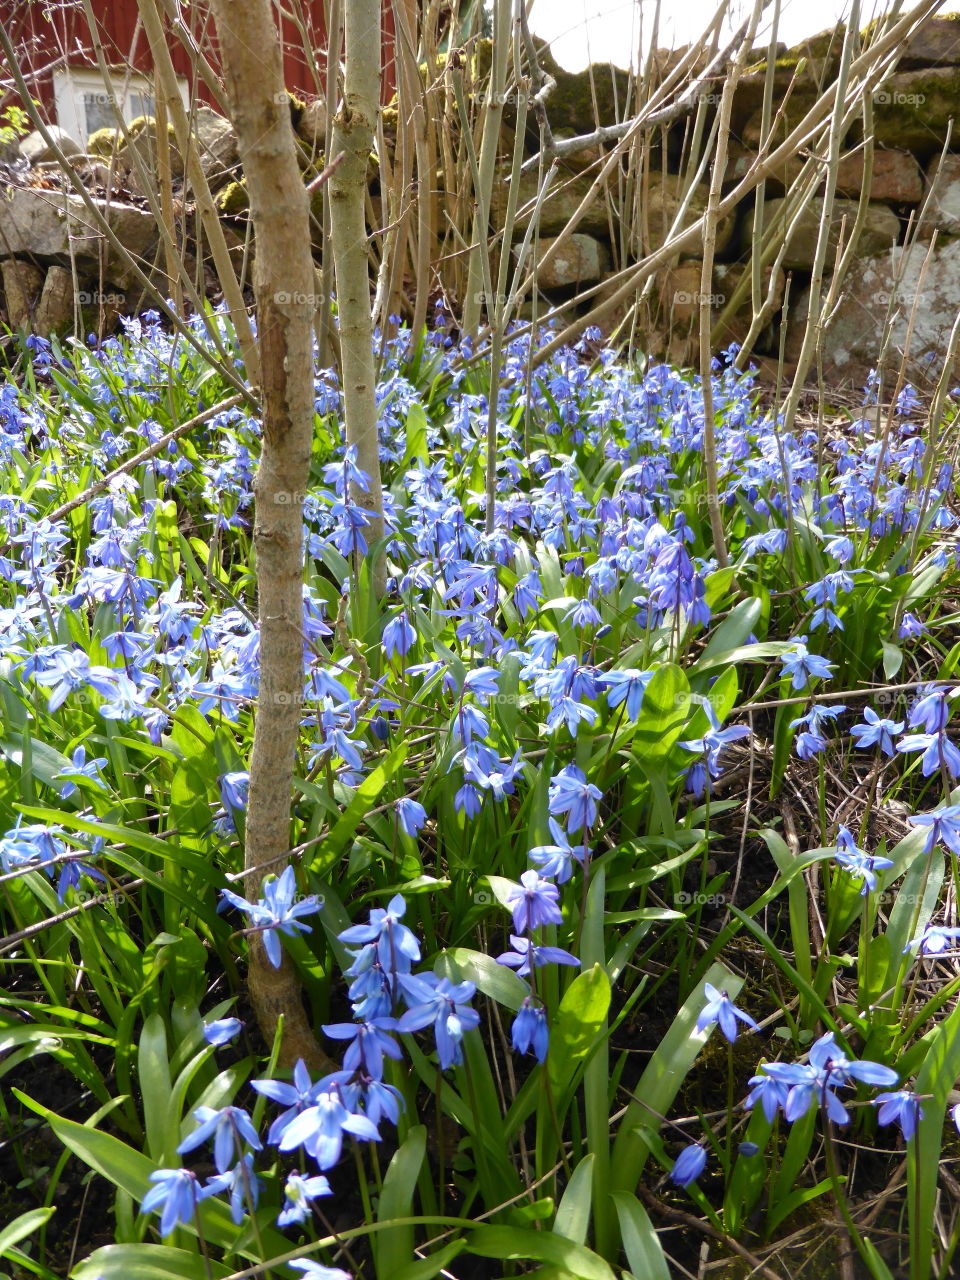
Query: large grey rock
(216, 143)
(312, 125)
(726, 279)
(53, 224)
(55, 308)
(562, 201)
(877, 286)
(666, 192)
(913, 109)
(936, 44)
(22, 283)
(896, 177)
(35, 149)
(880, 230)
(943, 209)
(580, 260)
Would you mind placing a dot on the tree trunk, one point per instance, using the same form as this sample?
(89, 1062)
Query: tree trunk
(353, 129)
(283, 281)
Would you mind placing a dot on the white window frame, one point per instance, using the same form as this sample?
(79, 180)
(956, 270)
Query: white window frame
(71, 82)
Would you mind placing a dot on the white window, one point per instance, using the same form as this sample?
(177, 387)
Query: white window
(85, 104)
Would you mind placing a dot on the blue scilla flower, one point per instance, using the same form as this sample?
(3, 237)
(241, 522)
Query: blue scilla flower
(627, 688)
(66, 671)
(934, 940)
(556, 860)
(930, 712)
(525, 952)
(276, 912)
(803, 666)
(938, 751)
(900, 1107)
(175, 1194)
(942, 825)
(443, 1003)
(484, 769)
(876, 731)
(319, 1129)
(313, 1270)
(222, 1031)
(298, 1192)
(572, 796)
(813, 1083)
(399, 636)
(394, 944)
(530, 1033)
(81, 767)
(862, 866)
(710, 746)
(296, 1097)
(244, 1187)
(689, 1165)
(770, 1092)
(911, 627)
(370, 1041)
(411, 816)
(533, 902)
(234, 789)
(227, 1128)
(720, 1009)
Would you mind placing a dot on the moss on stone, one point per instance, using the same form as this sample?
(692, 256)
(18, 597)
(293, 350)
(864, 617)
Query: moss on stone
(102, 142)
(912, 109)
(233, 200)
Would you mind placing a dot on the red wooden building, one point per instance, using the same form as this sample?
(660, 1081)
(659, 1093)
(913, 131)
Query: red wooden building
(56, 56)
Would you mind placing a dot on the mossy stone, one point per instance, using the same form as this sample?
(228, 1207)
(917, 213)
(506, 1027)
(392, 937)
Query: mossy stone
(912, 109)
(233, 200)
(103, 142)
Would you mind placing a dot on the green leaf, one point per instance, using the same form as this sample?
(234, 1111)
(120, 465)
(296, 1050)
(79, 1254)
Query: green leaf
(640, 1241)
(734, 630)
(892, 659)
(38, 759)
(937, 1076)
(519, 1245)
(416, 436)
(494, 980)
(662, 1079)
(427, 1268)
(663, 712)
(153, 1066)
(22, 1227)
(394, 1245)
(147, 1262)
(573, 1211)
(581, 1015)
(364, 799)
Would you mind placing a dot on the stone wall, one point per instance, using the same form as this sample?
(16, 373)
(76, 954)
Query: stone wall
(898, 262)
(57, 269)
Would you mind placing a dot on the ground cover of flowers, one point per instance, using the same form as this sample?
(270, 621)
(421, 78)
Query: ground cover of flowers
(623, 888)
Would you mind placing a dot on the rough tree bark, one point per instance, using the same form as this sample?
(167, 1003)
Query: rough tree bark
(283, 282)
(353, 129)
